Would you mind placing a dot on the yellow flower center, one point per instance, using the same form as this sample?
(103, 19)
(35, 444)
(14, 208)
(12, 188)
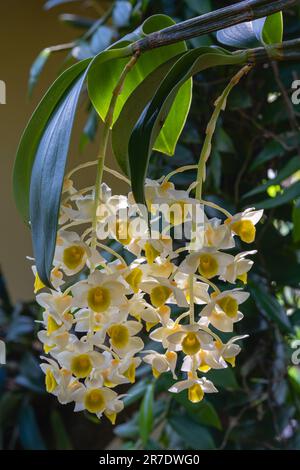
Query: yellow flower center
(208, 266)
(51, 325)
(130, 373)
(81, 366)
(195, 393)
(73, 255)
(119, 335)
(122, 234)
(134, 279)
(190, 344)
(159, 295)
(245, 230)
(229, 305)
(150, 252)
(98, 299)
(94, 401)
(50, 381)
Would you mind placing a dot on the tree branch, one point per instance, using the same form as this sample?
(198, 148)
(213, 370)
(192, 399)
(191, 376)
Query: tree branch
(247, 10)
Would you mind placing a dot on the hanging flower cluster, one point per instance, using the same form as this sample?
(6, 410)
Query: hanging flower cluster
(100, 303)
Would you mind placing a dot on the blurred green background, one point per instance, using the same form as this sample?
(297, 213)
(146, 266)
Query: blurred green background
(255, 162)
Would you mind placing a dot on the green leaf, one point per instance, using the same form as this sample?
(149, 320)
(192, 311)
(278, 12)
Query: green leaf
(33, 132)
(224, 378)
(290, 168)
(272, 32)
(288, 195)
(146, 130)
(62, 439)
(296, 220)
(37, 68)
(203, 412)
(30, 435)
(135, 393)
(146, 414)
(270, 306)
(47, 180)
(100, 90)
(259, 32)
(133, 108)
(195, 436)
(272, 149)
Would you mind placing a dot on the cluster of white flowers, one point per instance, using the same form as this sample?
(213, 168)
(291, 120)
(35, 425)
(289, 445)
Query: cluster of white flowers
(99, 304)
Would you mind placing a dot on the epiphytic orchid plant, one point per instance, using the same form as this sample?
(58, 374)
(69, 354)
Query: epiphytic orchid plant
(183, 282)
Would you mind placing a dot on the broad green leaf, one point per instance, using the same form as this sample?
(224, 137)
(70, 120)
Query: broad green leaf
(270, 306)
(146, 130)
(103, 77)
(146, 414)
(133, 108)
(262, 31)
(288, 195)
(33, 132)
(37, 68)
(296, 221)
(193, 434)
(47, 180)
(30, 434)
(290, 168)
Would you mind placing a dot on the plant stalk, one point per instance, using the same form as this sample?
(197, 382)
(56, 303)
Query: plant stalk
(108, 121)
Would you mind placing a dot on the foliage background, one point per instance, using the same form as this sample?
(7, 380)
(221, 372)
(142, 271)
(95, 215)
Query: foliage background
(258, 404)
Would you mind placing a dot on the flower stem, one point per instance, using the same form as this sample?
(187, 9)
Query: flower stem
(108, 121)
(220, 105)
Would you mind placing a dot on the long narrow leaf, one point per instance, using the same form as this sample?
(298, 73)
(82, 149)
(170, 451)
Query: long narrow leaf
(47, 180)
(33, 132)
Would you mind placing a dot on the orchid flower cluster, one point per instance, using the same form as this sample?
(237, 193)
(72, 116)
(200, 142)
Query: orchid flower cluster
(103, 308)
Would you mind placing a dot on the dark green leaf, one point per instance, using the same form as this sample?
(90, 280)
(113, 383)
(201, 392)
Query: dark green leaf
(135, 393)
(296, 220)
(288, 195)
(203, 412)
(33, 132)
(270, 306)
(224, 378)
(47, 180)
(290, 168)
(146, 414)
(133, 108)
(155, 114)
(195, 436)
(271, 150)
